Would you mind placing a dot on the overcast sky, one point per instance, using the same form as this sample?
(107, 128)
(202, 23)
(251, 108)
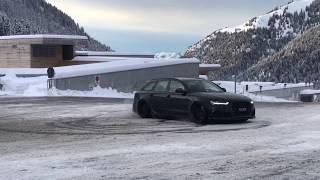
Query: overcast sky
(162, 25)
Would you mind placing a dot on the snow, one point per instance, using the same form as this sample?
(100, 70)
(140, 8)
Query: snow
(167, 55)
(270, 99)
(262, 21)
(255, 86)
(23, 71)
(117, 66)
(310, 92)
(37, 87)
(44, 36)
(106, 53)
(98, 58)
(210, 66)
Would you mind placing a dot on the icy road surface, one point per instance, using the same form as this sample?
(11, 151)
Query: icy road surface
(88, 138)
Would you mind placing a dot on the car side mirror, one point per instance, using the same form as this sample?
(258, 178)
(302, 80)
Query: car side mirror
(224, 89)
(181, 91)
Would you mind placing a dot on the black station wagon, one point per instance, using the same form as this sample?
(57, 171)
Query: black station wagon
(200, 100)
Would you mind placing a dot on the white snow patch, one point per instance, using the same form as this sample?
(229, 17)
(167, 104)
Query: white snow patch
(37, 87)
(310, 92)
(261, 98)
(262, 21)
(167, 55)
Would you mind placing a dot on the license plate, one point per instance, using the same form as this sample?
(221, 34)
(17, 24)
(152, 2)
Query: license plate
(243, 109)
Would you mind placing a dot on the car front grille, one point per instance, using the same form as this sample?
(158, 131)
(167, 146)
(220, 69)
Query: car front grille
(241, 109)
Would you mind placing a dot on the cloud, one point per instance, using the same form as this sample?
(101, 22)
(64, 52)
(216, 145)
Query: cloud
(165, 16)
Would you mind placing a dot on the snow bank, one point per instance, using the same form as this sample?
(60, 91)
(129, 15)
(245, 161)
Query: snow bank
(261, 98)
(37, 87)
(96, 92)
(310, 92)
(255, 86)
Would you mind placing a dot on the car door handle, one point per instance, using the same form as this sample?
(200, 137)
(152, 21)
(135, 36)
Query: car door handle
(151, 95)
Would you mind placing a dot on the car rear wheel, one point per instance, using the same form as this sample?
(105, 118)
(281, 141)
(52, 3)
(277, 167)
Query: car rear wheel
(199, 114)
(144, 110)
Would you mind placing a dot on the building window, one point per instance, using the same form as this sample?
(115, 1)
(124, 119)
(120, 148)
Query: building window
(43, 51)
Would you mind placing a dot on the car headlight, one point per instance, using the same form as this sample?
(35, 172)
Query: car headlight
(252, 102)
(217, 103)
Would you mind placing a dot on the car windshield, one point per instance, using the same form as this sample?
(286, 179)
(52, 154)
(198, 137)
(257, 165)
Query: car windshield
(202, 86)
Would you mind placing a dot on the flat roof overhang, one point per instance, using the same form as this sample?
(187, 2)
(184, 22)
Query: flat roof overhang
(44, 39)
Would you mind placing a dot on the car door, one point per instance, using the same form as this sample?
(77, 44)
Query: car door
(159, 97)
(178, 103)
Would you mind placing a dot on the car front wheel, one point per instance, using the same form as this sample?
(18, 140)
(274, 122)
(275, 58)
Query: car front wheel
(199, 114)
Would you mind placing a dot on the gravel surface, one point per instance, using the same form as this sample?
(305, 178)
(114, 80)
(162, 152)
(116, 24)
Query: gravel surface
(95, 138)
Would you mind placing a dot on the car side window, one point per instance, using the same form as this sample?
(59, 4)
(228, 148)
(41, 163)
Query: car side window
(174, 85)
(162, 86)
(149, 86)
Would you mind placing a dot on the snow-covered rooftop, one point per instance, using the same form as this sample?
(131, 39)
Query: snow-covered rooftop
(44, 36)
(105, 53)
(118, 66)
(210, 66)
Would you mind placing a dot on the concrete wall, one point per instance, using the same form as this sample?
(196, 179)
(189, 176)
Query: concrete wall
(285, 93)
(127, 81)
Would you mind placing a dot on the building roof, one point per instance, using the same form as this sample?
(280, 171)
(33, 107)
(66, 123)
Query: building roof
(44, 36)
(43, 39)
(115, 54)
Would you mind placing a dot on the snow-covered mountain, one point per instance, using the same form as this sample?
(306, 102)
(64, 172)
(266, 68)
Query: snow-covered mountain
(238, 48)
(21, 17)
(299, 61)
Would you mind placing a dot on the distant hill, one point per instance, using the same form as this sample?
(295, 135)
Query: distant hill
(299, 61)
(21, 17)
(238, 49)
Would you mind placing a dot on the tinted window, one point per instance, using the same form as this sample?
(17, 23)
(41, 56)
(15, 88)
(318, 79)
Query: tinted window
(174, 85)
(149, 86)
(45, 51)
(202, 86)
(162, 86)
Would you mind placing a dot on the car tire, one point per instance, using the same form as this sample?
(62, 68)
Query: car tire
(199, 114)
(144, 110)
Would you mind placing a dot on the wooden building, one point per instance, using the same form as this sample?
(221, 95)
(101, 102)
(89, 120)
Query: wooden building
(38, 51)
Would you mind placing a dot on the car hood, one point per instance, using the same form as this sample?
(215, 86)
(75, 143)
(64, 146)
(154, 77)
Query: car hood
(222, 96)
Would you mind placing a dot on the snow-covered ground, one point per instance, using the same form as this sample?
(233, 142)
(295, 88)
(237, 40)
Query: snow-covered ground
(47, 138)
(255, 86)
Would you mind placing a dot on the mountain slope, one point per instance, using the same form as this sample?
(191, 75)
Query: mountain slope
(237, 49)
(299, 61)
(19, 17)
